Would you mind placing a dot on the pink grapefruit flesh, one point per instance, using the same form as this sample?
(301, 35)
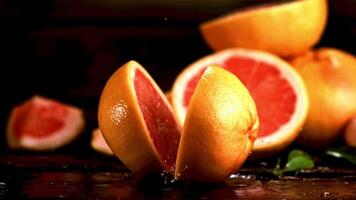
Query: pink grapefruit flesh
(274, 97)
(159, 120)
(42, 124)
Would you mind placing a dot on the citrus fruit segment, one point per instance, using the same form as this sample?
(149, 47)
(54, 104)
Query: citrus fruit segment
(329, 75)
(43, 124)
(284, 29)
(137, 121)
(219, 130)
(278, 91)
(98, 143)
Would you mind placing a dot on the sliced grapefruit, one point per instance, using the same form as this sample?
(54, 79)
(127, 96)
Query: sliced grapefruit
(220, 128)
(137, 121)
(284, 29)
(43, 124)
(278, 91)
(99, 144)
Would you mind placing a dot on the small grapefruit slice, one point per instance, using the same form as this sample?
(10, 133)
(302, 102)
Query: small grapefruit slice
(99, 144)
(137, 121)
(220, 128)
(43, 124)
(284, 29)
(278, 91)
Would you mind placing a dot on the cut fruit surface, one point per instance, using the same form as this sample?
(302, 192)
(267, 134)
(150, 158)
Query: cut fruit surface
(219, 130)
(284, 29)
(99, 144)
(42, 124)
(278, 91)
(137, 121)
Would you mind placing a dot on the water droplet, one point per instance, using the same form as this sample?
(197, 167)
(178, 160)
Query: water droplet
(118, 112)
(326, 194)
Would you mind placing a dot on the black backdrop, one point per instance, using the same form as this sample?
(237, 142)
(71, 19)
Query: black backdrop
(66, 50)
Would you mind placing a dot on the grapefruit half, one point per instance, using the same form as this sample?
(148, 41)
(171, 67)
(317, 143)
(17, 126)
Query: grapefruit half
(219, 130)
(137, 121)
(284, 29)
(42, 124)
(278, 91)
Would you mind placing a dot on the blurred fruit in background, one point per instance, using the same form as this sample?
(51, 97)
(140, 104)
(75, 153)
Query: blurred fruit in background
(330, 77)
(99, 144)
(284, 29)
(43, 124)
(350, 133)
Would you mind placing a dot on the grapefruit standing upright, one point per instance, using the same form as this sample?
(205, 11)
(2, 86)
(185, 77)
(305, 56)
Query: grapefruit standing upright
(220, 128)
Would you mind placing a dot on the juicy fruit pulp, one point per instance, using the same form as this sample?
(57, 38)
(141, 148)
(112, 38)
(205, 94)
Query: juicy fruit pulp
(38, 122)
(137, 121)
(274, 97)
(158, 118)
(41, 124)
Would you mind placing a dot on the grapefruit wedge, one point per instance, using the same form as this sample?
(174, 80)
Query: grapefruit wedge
(43, 124)
(137, 121)
(278, 91)
(220, 128)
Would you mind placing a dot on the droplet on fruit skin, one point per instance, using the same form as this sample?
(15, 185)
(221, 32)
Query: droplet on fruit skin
(118, 112)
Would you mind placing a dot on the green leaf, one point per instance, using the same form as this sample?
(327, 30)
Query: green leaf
(299, 163)
(297, 160)
(345, 153)
(297, 153)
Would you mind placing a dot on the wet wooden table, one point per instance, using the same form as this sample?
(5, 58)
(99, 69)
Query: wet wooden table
(66, 176)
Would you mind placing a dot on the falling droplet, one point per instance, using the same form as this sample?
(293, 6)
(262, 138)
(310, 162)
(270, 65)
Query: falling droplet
(326, 194)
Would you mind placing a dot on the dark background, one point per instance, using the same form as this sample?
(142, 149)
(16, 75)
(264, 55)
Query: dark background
(66, 50)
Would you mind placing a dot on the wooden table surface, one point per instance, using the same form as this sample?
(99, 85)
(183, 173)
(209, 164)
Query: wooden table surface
(66, 176)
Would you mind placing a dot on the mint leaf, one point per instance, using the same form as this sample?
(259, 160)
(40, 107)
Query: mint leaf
(299, 163)
(297, 160)
(297, 153)
(345, 153)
